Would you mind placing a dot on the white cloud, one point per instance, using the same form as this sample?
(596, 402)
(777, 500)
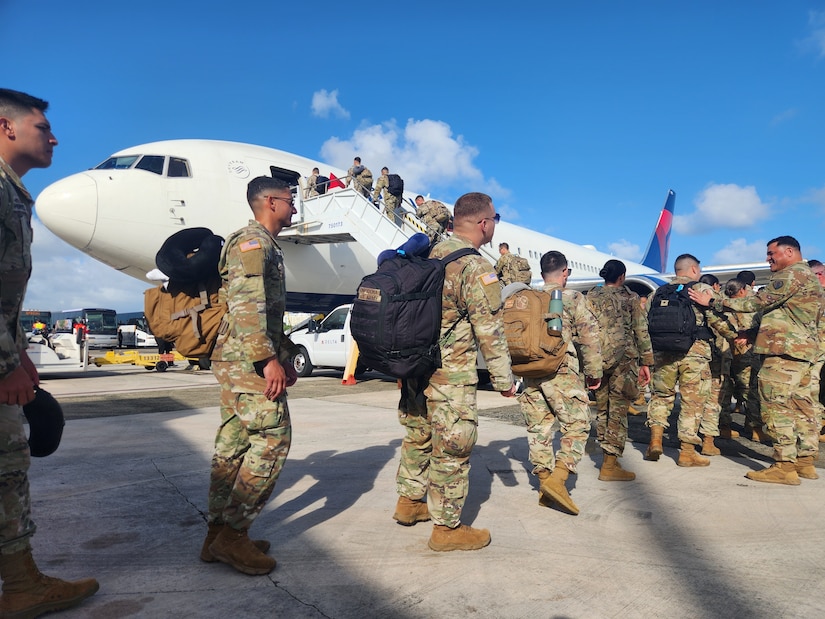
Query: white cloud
(625, 250)
(739, 251)
(65, 278)
(723, 206)
(815, 41)
(325, 104)
(424, 152)
(784, 116)
(815, 196)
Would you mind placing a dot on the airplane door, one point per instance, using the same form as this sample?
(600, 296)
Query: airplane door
(331, 345)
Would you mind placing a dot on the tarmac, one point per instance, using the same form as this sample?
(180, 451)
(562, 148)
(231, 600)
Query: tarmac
(124, 500)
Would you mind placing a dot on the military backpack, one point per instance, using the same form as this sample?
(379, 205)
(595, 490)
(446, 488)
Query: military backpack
(536, 350)
(395, 185)
(672, 320)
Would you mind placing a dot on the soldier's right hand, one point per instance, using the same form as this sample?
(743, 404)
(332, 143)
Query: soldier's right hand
(275, 379)
(17, 388)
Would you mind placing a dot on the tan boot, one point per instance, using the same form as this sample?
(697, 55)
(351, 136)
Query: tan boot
(612, 471)
(236, 549)
(212, 532)
(727, 433)
(689, 457)
(805, 467)
(444, 538)
(631, 410)
(654, 449)
(779, 473)
(409, 511)
(709, 448)
(757, 433)
(552, 487)
(28, 593)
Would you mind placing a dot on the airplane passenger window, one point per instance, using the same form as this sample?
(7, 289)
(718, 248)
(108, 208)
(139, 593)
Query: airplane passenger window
(151, 163)
(178, 167)
(118, 163)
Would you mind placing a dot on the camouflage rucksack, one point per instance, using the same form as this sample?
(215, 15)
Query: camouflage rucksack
(614, 325)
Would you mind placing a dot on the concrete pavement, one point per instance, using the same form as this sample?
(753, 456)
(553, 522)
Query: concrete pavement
(124, 500)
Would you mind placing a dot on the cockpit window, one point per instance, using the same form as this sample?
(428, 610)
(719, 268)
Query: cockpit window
(118, 163)
(178, 167)
(151, 163)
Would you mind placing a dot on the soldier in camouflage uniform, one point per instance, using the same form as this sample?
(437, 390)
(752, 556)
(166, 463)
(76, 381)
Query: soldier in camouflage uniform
(311, 190)
(818, 370)
(392, 204)
(434, 215)
(360, 177)
(26, 142)
(251, 361)
(744, 368)
(471, 302)
(504, 265)
(789, 339)
(562, 397)
(690, 370)
(624, 342)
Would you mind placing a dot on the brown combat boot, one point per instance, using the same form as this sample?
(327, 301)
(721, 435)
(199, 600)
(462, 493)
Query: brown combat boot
(612, 471)
(28, 593)
(805, 467)
(654, 449)
(689, 457)
(728, 433)
(409, 511)
(709, 448)
(757, 433)
(236, 549)
(552, 487)
(212, 532)
(779, 473)
(463, 537)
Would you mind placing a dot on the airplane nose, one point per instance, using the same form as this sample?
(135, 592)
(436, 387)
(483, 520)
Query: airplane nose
(69, 209)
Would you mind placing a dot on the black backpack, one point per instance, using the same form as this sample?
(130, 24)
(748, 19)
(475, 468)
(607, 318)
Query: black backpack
(321, 184)
(671, 320)
(395, 185)
(396, 315)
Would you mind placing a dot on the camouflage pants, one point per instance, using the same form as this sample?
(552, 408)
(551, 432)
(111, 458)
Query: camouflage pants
(543, 401)
(16, 526)
(715, 413)
(251, 446)
(787, 408)
(692, 373)
(816, 372)
(365, 189)
(619, 388)
(411, 480)
(392, 208)
(743, 386)
(454, 416)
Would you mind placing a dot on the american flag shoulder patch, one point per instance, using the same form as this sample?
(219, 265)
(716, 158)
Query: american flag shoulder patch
(250, 245)
(489, 278)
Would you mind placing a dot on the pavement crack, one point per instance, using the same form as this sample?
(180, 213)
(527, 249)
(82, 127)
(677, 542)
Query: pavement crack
(300, 601)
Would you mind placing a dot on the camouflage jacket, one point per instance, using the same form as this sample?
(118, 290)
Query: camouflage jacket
(252, 269)
(364, 178)
(791, 305)
(382, 183)
(15, 264)
(714, 319)
(471, 285)
(433, 212)
(311, 191)
(580, 330)
(508, 269)
(622, 324)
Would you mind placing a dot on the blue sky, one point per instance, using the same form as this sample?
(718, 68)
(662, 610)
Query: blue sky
(576, 117)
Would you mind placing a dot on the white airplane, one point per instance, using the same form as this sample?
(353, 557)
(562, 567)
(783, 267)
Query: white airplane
(121, 211)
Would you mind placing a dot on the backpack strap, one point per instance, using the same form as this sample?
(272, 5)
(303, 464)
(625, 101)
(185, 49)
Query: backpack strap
(458, 253)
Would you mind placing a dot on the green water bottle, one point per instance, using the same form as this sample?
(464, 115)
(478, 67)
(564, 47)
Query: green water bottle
(555, 308)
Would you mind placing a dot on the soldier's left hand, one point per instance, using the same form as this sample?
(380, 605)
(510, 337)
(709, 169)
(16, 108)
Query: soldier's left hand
(275, 379)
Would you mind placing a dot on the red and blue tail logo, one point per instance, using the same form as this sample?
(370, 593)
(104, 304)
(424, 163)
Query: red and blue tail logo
(656, 254)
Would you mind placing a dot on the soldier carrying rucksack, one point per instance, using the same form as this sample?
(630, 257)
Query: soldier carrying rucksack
(360, 177)
(393, 187)
(624, 341)
(512, 268)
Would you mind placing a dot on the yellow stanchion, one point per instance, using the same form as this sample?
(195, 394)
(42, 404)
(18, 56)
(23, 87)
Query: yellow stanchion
(352, 362)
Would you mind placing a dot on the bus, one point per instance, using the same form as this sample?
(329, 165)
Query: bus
(101, 325)
(28, 318)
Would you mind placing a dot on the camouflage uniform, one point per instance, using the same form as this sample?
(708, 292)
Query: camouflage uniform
(744, 367)
(311, 191)
(691, 370)
(362, 181)
(253, 439)
(16, 525)
(435, 216)
(391, 202)
(470, 285)
(789, 340)
(504, 269)
(720, 362)
(563, 396)
(625, 340)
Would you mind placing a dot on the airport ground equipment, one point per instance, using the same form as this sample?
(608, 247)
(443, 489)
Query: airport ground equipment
(153, 361)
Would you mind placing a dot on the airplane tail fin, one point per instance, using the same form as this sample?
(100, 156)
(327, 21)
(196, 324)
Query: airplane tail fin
(334, 181)
(656, 254)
